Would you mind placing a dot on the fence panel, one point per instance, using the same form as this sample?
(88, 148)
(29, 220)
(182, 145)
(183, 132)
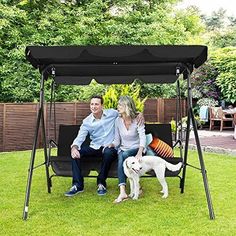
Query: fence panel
(1, 126)
(17, 121)
(150, 110)
(65, 113)
(170, 109)
(162, 110)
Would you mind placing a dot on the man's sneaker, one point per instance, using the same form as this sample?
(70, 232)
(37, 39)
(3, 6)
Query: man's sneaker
(73, 191)
(101, 190)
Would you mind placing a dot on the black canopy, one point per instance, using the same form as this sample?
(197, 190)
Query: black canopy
(115, 64)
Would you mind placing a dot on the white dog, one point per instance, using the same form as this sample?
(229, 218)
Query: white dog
(134, 169)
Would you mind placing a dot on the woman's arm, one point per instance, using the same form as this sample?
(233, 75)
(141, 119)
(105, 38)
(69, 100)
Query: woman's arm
(142, 135)
(142, 141)
(139, 153)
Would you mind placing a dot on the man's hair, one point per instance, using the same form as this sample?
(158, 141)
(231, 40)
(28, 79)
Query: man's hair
(99, 97)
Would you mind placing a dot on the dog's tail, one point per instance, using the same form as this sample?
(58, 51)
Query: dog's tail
(173, 167)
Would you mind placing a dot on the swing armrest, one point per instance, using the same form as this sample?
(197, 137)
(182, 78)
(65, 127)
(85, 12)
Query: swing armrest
(177, 142)
(52, 143)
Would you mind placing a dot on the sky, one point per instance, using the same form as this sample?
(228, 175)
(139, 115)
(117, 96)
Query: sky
(208, 6)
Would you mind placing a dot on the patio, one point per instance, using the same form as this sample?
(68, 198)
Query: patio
(215, 141)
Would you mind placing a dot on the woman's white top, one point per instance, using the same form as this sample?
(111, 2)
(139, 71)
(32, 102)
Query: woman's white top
(126, 139)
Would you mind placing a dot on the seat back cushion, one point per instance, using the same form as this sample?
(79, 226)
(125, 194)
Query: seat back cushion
(67, 134)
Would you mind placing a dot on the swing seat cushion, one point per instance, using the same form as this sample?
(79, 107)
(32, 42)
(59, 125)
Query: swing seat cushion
(61, 164)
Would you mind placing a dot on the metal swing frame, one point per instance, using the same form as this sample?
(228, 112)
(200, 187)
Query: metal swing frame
(49, 70)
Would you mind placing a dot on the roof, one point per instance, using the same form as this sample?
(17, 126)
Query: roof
(116, 64)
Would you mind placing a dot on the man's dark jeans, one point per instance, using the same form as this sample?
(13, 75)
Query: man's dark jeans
(107, 156)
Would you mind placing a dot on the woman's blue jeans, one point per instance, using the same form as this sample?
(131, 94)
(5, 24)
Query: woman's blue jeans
(121, 157)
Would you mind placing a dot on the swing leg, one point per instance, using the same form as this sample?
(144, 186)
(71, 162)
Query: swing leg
(200, 156)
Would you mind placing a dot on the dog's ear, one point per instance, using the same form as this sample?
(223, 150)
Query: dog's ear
(130, 161)
(125, 164)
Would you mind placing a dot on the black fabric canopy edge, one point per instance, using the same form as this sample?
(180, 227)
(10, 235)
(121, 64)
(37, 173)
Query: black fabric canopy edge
(115, 64)
(41, 56)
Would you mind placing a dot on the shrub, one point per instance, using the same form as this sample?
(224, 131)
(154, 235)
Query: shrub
(204, 82)
(224, 60)
(210, 102)
(173, 126)
(113, 93)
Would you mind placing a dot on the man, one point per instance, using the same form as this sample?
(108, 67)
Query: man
(100, 126)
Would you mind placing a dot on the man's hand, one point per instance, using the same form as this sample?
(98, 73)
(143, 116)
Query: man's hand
(140, 118)
(111, 145)
(75, 152)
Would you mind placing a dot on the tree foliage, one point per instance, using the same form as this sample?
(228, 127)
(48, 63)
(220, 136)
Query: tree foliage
(216, 20)
(81, 22)
(225, 61)
(204, 82)
(222, 39)
(113, 93)
(221, 29)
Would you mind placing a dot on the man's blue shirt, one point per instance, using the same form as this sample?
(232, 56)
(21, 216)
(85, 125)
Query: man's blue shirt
(101, 131)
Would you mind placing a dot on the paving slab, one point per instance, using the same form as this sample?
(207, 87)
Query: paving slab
(215, 141)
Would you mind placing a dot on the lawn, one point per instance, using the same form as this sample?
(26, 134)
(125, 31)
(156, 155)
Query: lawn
(89, 214)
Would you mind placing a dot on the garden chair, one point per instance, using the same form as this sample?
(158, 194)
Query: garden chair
(217, 115)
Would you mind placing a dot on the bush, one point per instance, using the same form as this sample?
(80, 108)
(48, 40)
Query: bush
(173, 126)
(113, 93)
(210, 102)
(204, 82)
(224, 60)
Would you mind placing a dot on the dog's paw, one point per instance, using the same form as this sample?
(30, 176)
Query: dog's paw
(140, 191)
(161, 191)
(131, 195)
(165, 196)
(135, 198)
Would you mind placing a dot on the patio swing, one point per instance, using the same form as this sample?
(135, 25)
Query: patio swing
(78, 65)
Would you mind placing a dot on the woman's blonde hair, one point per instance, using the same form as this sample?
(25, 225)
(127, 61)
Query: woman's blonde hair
(130, 108)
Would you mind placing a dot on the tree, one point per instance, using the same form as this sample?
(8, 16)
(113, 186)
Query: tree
(223, 39)
(81, 22)
(216, 20)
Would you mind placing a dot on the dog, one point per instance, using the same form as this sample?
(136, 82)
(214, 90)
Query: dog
(134, 168)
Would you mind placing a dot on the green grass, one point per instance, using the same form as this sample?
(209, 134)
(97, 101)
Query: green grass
(89, 214)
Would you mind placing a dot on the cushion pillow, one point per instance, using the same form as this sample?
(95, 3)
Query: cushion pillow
(150, 152)
(148, 139)
(161, 148)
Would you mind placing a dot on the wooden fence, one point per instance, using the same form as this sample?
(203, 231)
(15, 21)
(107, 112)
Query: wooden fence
(18, 121)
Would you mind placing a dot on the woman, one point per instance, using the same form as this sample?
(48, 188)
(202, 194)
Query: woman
(129, 138)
